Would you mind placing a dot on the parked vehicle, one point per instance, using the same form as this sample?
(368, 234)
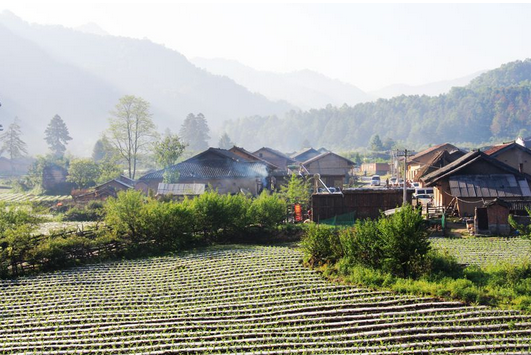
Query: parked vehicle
(423, 191)
(424, 199)
(375, 180)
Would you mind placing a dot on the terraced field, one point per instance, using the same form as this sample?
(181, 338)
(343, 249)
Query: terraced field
(485, 251)
(245, 300)
(8, 196)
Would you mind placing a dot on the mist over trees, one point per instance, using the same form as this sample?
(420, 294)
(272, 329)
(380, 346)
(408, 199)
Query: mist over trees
(57, 136)
(195, 132)
(11, 142)
(495, 106)
(131, 130)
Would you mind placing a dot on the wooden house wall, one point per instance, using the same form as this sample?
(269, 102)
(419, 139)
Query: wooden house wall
(274, 159)
(364, 203)
(514, 157)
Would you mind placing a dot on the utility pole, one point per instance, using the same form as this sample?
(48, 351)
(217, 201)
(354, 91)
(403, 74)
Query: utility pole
(404, 191)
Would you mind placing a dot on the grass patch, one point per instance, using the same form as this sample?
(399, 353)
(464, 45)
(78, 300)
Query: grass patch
(505, 286)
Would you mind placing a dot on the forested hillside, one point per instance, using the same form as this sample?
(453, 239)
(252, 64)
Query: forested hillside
(48, 70)
(494, 106)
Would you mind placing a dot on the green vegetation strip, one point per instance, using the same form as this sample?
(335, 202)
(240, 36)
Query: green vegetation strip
(234, 299)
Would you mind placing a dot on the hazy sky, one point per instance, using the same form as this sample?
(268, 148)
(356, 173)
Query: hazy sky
(370, 46)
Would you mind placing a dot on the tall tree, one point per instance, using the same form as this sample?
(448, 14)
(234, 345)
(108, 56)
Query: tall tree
(57, 136)
(375, 143)
(131, 130)
(167, 153)
(83, 172)
(225, 142)
(11, 143)
(194, 132)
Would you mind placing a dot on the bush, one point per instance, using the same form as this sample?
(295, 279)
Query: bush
(321, 244)
(362, 244)
(405, 242)
(267, 210)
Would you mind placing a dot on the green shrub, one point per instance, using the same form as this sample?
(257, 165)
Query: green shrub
(267, 210)
(405, 242)
(362, 244)
(170, 224)
(321, 244)
(125, 215)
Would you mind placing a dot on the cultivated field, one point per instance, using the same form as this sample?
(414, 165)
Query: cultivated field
(484, 251)
(7, 195)
(246, 300)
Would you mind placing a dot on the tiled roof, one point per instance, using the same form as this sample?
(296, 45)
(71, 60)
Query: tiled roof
(301, 155)
(322, 155)
(431, 149)
(491, 185)
(465, 161)
(276, 152)
(497, 148)
(252, 156)
(212, 169)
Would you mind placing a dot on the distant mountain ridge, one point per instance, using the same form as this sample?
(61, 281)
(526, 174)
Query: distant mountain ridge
(48, 70)
(494, 107)
(304, 88)
(430, 89)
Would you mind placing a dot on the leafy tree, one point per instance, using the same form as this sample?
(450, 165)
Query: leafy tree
(167, 153)
(57, 136)
(83, 172)
(388, 143)
(11, 143)
(225, 142)
(194, 132)
(375, 143)
(104, 150)
(297, 191)
(131, 130)
(358, 159)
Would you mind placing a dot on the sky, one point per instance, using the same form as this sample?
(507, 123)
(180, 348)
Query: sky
(370, 46)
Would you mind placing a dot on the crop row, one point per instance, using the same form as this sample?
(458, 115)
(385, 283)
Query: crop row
(485, 251)
(254, 300)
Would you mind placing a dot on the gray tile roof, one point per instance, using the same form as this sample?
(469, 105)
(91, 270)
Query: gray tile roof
(212, 169)
(491, 185)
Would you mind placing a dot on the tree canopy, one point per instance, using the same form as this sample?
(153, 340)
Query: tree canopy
(131, 130)
(57, 136)
(11, 143)
(194, 132)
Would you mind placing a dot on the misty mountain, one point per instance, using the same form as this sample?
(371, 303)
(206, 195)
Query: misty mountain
(304, 88)
(430, 89)
(495, 107)
(48, 70)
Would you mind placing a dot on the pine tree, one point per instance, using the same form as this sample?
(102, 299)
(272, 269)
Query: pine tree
(194, 132)
(57, 136)
(225, 142)
(11, 143)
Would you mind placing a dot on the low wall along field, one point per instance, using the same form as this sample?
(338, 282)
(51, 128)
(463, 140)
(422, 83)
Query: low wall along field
(233, 299)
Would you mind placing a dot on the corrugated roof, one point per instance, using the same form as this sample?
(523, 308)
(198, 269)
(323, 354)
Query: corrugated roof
(492, 185)
(180, 189)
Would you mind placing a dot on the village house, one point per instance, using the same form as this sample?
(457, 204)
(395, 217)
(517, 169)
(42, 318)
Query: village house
(512, 154)
(474, 179)
(281, 160)
(334, 170)
(375, 168)
(107, 189)
(419, 160)
(305, 154)
(441, 159)
(220, 169)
